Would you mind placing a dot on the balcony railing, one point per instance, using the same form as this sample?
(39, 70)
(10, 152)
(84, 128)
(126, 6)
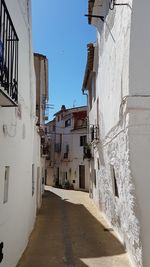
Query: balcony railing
(8, 59)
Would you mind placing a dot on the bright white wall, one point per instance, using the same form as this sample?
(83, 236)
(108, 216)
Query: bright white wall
(120, 67)
(16, 146)
(112, 66)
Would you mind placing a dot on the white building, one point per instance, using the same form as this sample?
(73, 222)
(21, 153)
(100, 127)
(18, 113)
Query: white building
(67, 140)
(41, 72)
(19, 141)
(118, 83)
(50, 159)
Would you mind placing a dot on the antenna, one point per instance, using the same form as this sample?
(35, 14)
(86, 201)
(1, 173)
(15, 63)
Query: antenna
(74, 101)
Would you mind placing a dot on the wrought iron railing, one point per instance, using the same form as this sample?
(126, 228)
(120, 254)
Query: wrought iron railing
(8, 55)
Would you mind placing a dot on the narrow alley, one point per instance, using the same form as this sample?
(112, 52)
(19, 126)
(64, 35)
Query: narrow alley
(69, 231)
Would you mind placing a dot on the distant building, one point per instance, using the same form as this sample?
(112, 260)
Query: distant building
(41, 73)
(117, 79)
(68, 136)
(50, 132)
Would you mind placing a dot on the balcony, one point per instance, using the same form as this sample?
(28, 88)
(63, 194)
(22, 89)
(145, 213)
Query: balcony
(80, 119)
(8, 59)
(94, 131)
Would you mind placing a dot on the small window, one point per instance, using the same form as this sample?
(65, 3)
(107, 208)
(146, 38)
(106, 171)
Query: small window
(92, 133)
(114, 181)
(95, 177)
(6, 184)
(33, 185)
(98, 164)
(45, 130)
(67, 148)
(83, 140)
(97, 111)
(67, 122)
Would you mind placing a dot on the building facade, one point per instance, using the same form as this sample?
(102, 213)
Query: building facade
(117, 81)
(19, 141)
(67, 137)
(41, 73)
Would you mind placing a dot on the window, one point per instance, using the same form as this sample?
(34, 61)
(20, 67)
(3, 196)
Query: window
(8, 58)
(65, 155)
(45, 130)
(92, 133)
(6, 184)
(95, 177)
(33, 185)
(67, 148)
(54, 128)
(67, 122)
(83, 140)
(114, 181)
(97, 111)
(98, 164)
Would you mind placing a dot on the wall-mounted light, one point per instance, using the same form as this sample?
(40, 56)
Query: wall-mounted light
(113, 3)
(95, 16)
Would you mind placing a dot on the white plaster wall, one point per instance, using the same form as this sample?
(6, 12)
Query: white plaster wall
(112, 66)
(37, 168)
(77, 159)
(139, 129)
(16, 146)
(139, 49)
(118, 146)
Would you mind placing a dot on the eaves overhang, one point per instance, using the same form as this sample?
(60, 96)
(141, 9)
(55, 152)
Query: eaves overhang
(90, 9)
(89, 65)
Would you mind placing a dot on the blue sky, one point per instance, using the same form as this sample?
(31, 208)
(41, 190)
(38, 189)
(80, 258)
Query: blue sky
(61, 32)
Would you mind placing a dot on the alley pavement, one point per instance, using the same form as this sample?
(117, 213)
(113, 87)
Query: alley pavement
(71, 232)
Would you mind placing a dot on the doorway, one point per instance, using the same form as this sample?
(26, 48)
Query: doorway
(82, 176)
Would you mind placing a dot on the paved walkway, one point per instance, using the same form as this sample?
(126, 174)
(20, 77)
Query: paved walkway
(70, 232)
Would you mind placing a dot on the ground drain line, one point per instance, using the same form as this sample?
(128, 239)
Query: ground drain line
(69, 258)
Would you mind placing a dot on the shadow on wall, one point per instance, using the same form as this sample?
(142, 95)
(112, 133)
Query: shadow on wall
(66, 234)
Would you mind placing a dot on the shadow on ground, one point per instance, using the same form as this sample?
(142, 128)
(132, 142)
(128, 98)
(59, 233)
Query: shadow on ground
(66, 233)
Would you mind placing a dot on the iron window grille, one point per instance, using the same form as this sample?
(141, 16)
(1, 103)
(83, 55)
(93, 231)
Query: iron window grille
(8, 55)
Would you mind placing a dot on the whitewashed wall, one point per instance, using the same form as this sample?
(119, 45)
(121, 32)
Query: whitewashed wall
(122, 85)
(16, 148)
